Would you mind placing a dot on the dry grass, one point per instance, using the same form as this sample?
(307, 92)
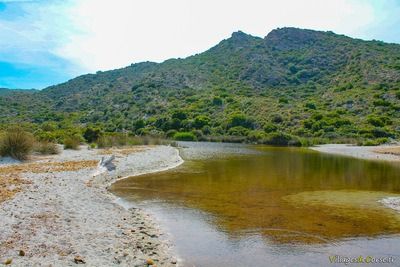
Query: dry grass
(72, 142)
(121, 151)
(16, 143)
(392, 150)
(46, 148)
(48, 167)
(9, 186)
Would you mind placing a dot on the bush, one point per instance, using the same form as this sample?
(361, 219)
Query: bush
(91, 135)
(184, 136)
(120, 140)
(46, 148)
(72, 142)
(375, 121)
(201, 121)
(281, 139)
(170, 133)
(16, 143)
(269, 128)
(217, 101)
(310, 105)
(255, 136)
(239, 119)
(375, 142)
(238, 131)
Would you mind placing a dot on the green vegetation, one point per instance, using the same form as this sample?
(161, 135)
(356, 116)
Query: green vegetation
(72, 142)
(292, 87)
(184, 136)
(16, 143)
(120, 140)
(46, 148)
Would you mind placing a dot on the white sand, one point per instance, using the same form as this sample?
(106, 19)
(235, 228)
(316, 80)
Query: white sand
(391, 202)
(362, 152)
(60, 216)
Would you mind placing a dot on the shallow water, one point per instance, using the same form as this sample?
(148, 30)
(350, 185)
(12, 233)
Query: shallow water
(238, 206)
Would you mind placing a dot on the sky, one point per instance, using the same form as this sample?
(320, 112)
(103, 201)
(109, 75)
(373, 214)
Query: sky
(46, 42)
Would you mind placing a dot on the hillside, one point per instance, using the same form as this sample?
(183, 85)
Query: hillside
(303, 83)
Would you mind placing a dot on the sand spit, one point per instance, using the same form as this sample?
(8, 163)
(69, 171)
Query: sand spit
(362, 152)
(63, 216)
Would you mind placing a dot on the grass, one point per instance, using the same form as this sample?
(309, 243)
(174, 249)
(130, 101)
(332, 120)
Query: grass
(46, 148)
(72, 142)
(16, 143)
(120, 140)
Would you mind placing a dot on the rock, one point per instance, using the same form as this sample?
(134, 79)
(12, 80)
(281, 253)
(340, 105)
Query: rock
(149, 262)
(107, 163)
(21, 253)
(7, 261)
(174, 261)
(79, 260)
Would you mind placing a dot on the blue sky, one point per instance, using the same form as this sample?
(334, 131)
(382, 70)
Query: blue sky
(45, 42)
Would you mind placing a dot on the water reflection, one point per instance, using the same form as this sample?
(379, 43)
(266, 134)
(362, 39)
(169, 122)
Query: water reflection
(280, 195)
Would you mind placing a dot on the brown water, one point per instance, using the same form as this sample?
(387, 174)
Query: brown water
(242, 207)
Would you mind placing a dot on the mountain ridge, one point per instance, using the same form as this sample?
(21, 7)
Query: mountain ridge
(296, 74)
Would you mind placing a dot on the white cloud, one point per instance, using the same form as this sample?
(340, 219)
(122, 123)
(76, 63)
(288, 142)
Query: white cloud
(119, 32)
(105, 34)
(32, 31)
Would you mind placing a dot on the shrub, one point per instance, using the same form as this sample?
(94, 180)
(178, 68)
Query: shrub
(184, 136)
(269, 128)
(180, 115)
(283, 100)
(170, 133)
(201, 121)
(276, 118)
(380, 132)
(375, 121)
(104, 142)
(16, 143)
(381, 102)
(282, 139)
(119, 140)
(238, 131)
(217, 101)
(310, 105)
(239, 119)
(91, 135)
(255, 136)
(375, 142)
(72, 142)
(46, 148)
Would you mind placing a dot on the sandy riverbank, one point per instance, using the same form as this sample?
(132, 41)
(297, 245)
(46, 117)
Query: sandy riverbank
(387, 153)
(62, 215)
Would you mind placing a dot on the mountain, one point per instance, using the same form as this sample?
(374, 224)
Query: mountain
(303, 83)
(6, 91)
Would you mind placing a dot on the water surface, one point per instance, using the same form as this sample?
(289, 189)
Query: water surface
(239, 206)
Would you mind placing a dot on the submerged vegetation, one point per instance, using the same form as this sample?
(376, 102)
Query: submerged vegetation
(294, 87)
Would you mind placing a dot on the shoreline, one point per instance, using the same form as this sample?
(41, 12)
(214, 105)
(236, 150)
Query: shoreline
(360, 152)
(65, 214)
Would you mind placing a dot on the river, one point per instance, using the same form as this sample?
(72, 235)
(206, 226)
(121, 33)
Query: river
(237, 205)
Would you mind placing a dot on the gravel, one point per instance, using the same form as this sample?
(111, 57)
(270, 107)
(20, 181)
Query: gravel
(362, 152)
(68, 217)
